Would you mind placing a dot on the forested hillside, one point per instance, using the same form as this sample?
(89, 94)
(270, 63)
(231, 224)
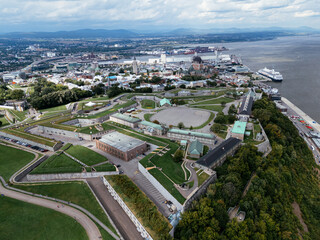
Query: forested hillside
(285, 186)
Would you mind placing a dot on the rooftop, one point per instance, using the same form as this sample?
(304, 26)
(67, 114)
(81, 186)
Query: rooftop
(239, 127)
(211, 157)
(151, 124)
(126, 118)
(120, 141)
(196, 134)
(246, 105)
(195, 147)
(164, 101)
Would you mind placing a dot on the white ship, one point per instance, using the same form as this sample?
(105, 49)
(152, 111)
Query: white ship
(271, 73)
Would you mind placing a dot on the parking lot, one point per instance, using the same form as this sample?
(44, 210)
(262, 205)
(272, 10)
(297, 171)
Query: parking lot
(24, 144)
(175, 115)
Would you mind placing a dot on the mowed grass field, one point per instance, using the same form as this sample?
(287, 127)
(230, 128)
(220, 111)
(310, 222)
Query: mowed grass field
(74, 192)
(58, 164)
(147, 103)
(23, 221)
(11, 160)
(86, 155)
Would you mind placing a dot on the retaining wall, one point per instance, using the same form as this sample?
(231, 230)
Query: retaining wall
(54, 148)
(159, 187)
(63, 176)
(24, 173)
(64, 133)
(200, 191)
(265, 146)
(132, 217)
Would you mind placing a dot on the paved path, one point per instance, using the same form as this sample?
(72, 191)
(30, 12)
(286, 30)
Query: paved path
(125, 226)
(90, 227)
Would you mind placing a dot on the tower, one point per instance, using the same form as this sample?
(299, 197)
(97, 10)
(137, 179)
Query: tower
(134, 66)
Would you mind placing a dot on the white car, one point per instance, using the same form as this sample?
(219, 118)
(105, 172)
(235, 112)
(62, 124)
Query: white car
(312, 147)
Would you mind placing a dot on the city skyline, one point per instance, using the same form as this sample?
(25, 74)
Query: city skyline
(145, 15)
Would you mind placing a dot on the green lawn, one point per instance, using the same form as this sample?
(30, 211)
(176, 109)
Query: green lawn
(89, 130)
(142, 207)
(171, 168)
(112, 110)
(75, 192)
(257, 129)
(202, 176)
(216, 101)
(86, 155)
(216, 108)
(4, 121)
(224, 131)
(12, 159)
(147, 116)
(20, 116)
(55, 109)
(107, 167)
(148, 104)
(167, 184)
(58, 164)
(22, 221)
(96, 99)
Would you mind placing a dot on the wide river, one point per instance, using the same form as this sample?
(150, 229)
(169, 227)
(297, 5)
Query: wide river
(296, 58)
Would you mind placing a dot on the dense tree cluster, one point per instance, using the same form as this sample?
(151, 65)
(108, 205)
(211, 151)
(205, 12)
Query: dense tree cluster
(193, 77)
(286, 176)
(145, 209)
(8, 94)
(225, 119)
(47, 94)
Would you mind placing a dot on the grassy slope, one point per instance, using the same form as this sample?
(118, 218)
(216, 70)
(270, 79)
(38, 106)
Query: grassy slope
(75, 192)
(154, 222)
(86, 155)
(12, 159)
(58, 164)
(147, 103)
(20, 220)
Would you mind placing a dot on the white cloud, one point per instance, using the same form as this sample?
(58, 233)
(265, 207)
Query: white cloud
(307, 13)
(171, 13)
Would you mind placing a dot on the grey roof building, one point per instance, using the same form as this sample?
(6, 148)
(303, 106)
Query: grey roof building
(151, 128)
(195, 149)
(121, 145)
(218, 155)
(125, 120)
(179, 134)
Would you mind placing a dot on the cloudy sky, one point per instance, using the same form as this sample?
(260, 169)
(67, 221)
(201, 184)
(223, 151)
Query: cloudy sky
(52, 15)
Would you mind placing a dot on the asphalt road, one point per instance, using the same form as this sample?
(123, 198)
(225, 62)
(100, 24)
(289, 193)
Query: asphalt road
(90, 227)
(303, 130)
(123, 223)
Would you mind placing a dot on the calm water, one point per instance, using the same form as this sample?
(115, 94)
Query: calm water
(297, 59)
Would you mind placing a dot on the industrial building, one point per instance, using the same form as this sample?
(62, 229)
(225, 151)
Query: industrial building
(179, 134)
(238, 130)
(218, 155)
(150, 128)
(121, 146)
(125, 120)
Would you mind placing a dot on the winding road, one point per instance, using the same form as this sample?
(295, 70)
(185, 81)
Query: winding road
(90, 227)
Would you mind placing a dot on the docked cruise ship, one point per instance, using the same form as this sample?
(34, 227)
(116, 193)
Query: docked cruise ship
(272, 74)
